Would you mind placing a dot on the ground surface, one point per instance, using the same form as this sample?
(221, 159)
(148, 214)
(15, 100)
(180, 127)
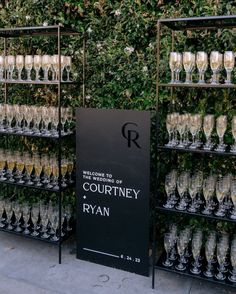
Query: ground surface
(30, 267)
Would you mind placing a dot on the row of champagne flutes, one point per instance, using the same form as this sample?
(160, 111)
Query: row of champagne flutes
(39, 220)
(214, 258)
(35, 120)
(186, 124)
(34, 169)
(190, 60)
(34, 62)
(219, 193)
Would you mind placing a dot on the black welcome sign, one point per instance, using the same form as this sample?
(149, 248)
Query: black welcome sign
(113, 163)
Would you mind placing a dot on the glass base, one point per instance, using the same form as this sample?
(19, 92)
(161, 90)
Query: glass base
(233, 216)
(45, 236)
(26, 232)
(35, 234)
(220, 277)
(206, 212)
(208, 274)
(167, 263)
(2, 225)
(181, 208)
(168, 205)
(218, 213)
(10, 227)
(195, 270)
(55, 238)
(232, 278)
(192, 209)
(220, 148)
(180, 267)
(18, 229)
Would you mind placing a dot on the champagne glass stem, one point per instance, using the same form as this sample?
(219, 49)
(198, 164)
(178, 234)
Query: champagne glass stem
(37, 75)
(228, 79)
(214, 77)
(1, 74)
(28, 75)
(46, 75)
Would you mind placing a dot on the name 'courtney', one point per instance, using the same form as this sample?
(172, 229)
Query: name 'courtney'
(111, 190)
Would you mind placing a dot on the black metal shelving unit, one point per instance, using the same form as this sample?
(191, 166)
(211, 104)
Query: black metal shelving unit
(56, 31)
(184, 25)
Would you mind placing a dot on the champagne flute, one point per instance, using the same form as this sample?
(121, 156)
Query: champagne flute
(2, 67)
(26, 217)
(232, 277)
(192, 189)
(221, 192)
(208, 191)
(233, 198)
(196, 249)
(2, 117)
(202, 64)
(169, 188)
(228, 65)
(29, 61)
(188, 63)
(182, 185)
(17, 208)
(210, 246)
(55, 223)
(179, 65)
(221, 126)
(29, 166)
(34, 218)
(68, 63)
(44, 221)
(9, 118)
(215, 63)
(208, 126)
(20, 166)
(37, 65)
(221, 256)
(11, 164)
(8, 210)
(10, 65)
(64, 169)
(28, 119)
(181, 246)
(46, 64)
(194, 126)
(2, 208)
(2, 166)
(55, 66)
(233, 129)
(19, 65)
(70, 168)
(168, 244)
(37, 169)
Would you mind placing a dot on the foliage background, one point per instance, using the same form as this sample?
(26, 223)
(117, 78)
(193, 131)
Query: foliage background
(121, 57)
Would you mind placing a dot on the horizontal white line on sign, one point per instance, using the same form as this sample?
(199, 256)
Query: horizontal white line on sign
(104, 253)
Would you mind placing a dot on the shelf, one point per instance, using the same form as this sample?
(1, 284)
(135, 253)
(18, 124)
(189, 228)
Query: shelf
(187, 273)
(36, 136)
(36, 187)
(200, 23)
(200, 151)
(197, 214)
(36, 31)
(24, 82)
(196, 85)
(63, 239)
